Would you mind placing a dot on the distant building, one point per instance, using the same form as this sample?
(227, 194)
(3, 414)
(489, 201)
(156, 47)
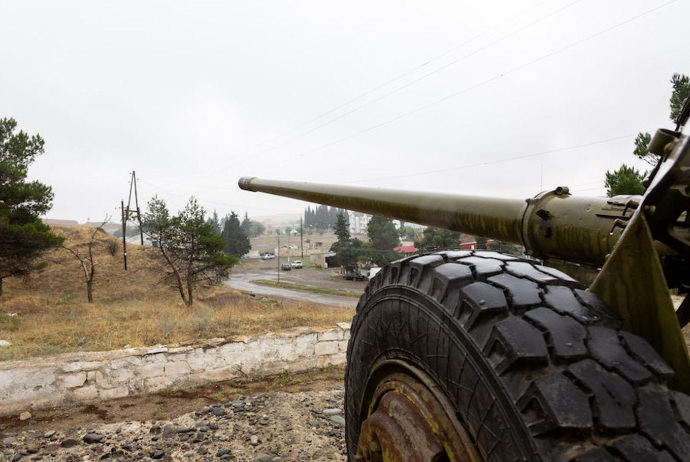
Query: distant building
(321, 259)
(358, 222)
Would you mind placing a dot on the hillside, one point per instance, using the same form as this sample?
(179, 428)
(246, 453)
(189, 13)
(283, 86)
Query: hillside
(64, 277)
(49, 312)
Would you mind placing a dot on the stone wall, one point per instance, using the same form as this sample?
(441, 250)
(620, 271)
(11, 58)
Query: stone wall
(44, 382)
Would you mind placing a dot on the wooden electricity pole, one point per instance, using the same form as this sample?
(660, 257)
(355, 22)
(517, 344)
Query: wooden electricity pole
(124, 233)
(278, 256)
(127, 212)
(301, 238)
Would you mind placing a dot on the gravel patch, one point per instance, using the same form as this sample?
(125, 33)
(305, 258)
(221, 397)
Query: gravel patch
(267, 427)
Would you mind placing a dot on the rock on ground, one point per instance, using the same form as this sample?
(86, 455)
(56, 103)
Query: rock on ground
(266, 427)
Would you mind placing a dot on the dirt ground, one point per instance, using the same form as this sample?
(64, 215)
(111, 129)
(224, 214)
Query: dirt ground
(162, 405)
(286, 418)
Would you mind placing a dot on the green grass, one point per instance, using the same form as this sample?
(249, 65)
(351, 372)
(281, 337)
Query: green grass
(306, 288)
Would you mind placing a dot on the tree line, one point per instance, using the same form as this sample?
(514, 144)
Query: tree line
(323, 217)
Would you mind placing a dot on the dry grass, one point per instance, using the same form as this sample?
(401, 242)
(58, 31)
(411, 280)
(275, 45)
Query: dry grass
(131, 308)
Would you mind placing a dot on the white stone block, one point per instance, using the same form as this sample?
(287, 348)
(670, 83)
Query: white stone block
(323, 361)
(307, 338)
(157, 383)
(89, 392)
(326, 348)
(122, 375)
(338, 359)
(344, 325)
(156, 351)
(196, 360)
(154, 358)
(342, 346)
(81, 366)
(152, 370)
(113, 393)
(75, 380)
(331, 334)
(125, 362)
(178, 368)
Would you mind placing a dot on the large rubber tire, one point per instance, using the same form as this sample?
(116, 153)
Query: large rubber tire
(535, 367)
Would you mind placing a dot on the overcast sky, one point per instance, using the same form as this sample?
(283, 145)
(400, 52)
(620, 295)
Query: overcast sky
(396, 94)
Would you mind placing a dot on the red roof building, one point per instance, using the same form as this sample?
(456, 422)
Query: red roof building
(406, 249)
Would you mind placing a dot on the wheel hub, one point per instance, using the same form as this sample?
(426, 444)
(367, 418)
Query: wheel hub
(409, 419)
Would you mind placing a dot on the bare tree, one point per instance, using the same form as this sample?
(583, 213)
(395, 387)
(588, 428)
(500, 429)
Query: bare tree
(87, 263)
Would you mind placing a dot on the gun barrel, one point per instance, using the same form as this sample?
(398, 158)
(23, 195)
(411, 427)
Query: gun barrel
(482, 216)
(551, 225)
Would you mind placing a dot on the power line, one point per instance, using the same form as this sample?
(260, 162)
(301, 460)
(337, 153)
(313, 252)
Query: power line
(497, 161)
(427, 75)
(484, 82)
(378, 87)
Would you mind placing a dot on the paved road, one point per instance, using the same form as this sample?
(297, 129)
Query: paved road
(241, 281)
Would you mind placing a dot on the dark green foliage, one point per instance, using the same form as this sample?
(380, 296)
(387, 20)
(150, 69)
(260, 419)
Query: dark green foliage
(346, 252)
(214, 221)
(481, 242)
(625, 180)
(384, 238)
(323, 217)
(246, 225)
(257, 229)
(681, 92)
(187, 242)
(438, 239)
(342, 228)
(506, 247)
(236, 241)
(22, 234)
(641, 142)
(350, 252)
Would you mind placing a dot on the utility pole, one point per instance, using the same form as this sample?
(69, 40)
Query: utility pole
(278, 256)
(124, 233)
(126, 212)
(301, 238)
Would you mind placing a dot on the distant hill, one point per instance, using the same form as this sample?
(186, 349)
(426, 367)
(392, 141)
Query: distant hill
(55, 222)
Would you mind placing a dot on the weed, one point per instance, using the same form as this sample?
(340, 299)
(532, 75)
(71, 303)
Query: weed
(8, 323)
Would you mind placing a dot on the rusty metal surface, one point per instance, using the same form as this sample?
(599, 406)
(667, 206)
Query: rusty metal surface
(409, 419)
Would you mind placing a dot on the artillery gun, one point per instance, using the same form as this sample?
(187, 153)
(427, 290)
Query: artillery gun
(575, 354)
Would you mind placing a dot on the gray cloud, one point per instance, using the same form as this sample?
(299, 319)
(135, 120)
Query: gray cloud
(194, 95)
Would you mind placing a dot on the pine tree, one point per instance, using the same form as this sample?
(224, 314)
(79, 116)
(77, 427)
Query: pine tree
(626, 180)
(384, 238)
(680, 93)
(236, 241)
(246, 224)
(23, 237)
(342, 228)
(215, 223)
(194, 254)
(438, 239)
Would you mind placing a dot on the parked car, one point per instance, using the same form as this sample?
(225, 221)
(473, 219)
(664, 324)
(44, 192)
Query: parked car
(297, 264)
(285, 267)
(354, 276)
(268, 256)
